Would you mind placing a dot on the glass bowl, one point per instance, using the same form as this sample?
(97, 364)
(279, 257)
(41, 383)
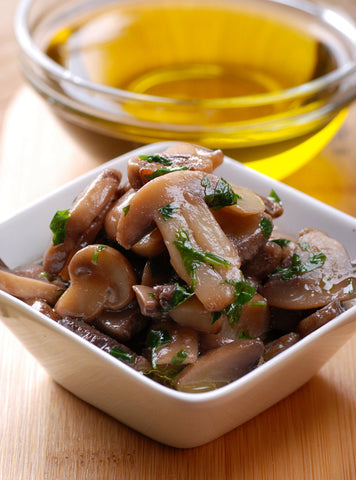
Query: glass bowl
(267, 80)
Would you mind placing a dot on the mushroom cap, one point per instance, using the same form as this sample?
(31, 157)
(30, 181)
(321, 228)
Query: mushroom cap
(100, 278)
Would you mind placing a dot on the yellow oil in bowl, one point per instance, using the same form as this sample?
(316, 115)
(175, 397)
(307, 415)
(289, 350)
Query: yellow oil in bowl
(211, 73)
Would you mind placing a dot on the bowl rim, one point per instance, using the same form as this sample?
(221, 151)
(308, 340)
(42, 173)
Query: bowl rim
(56, 71)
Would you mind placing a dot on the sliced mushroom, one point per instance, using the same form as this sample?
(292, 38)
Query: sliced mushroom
(220, 366)
(264, 262)
(151, 245)
(244, 231)
(116, 210)
(181, 349)
(147, 300)
(86, 217)
(254, 320)
(105, 343)
(44, 308)
(26, 288)
(320, 318)
(101, 278)
(320, 272)
(192, 313)
(123, 325)
(280, 345)
(142, 167)
(191, 221)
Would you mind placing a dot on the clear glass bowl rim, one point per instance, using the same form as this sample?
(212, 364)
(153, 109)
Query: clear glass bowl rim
(35, 54)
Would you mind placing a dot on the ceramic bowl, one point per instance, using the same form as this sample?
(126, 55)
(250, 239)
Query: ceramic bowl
(174, 418)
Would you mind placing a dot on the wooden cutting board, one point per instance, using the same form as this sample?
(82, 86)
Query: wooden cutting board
(47, 433)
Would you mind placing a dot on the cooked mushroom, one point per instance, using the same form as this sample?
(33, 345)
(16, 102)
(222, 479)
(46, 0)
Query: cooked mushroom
(180, 345)
(100, 278)
(26, 288)
(84, 219)
(147, 300)
(176, 204)
(142, 168)
(192, 313)
(320, 272)
(220, 366)
(105, 343)
(320, 318)
(254, 320)
(123, 324)
(280, 345)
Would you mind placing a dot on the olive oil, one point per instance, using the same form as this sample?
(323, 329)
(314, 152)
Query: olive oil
(213, 53)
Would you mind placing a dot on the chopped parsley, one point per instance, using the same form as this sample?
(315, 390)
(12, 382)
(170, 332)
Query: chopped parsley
(156, 339)
(242, 295)
(244, 335)
(163, 171)
(192, 258)
(220, 196)
(98, 249)
(180, 295)
(298, 268)
(168, 211)
(179, 358)
(126, 209)
(122, 355)
(58, 224)
(274, 197)
(156, 158)
(282, 242)
(266, 226)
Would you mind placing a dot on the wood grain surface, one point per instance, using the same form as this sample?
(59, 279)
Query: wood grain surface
(47, 433)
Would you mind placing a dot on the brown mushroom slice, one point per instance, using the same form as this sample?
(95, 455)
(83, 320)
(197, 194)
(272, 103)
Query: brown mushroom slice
(89, 207)
(181, 349)
(245, 232)
(151, 245)
(208, 341)
(254, 320)
(191, 224)
(101, 278)
(26, 288)
(320, 318)
(117, 209)
(192, 313)
(147, 300)
(280, 345)
(320, 272)
(267, 259)
(105, 343)
(43, 307)
(123, 324)
(142, 167)
(220, 366)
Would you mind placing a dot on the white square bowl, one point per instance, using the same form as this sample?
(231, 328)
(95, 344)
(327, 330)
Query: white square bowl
(174, 418)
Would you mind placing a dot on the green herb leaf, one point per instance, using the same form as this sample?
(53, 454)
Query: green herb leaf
(222, 196)
(244, 335)
(192, 258)
(126, 209)
(122, 355)
(155, 158)
(274, 197)
(180, 295)
(299, 268)
(163, 171)
(304, 246)
(266, 226)
(259, 303)
(157, 338)
(181, 355)
(98, 249)
(168, 211)
(282, 242)
(242, 295)
(349, 289)
(58, 224)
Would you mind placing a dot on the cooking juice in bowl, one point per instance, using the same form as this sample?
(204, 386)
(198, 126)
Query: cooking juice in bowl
(212, 73)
